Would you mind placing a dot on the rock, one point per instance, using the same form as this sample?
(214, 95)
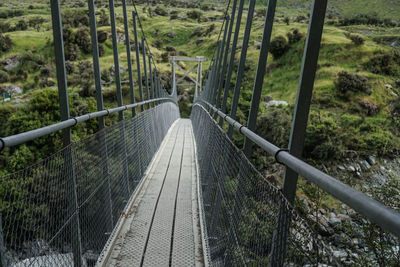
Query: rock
(341, 167)
(257, 44)
(358, 174)
(351, 168)
(388, 86)
(275, 103)
(171, 35)
(13, 89)
(365, 165)
(340, 254)
(121, 70)
(11, 63)
(335, 221)
(371, 160)
(343, 217)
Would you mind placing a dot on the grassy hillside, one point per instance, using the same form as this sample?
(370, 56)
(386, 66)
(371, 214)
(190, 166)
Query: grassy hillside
(361, 121)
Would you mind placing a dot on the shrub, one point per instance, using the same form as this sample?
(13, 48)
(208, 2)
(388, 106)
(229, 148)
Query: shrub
(72, 52)
(387, 63)
(35, 22)
(4, 77)
(371, 108)
(300, 18)
(294, 36)
(351, 82)
(5, 43)
(279, 46)
(322, 139)
(102, 50)
(103, 18)
(22, 25)
(160, 11)
(82, 39)
(286, 20)
(75, 18)
(366, 19)
(194, 14)
(4, 27)
(356, 39)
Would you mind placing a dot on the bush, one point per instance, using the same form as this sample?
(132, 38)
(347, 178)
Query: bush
(294, 36)
(75, 18)
(286, 20)
(35, 22)
(356, 39)
(22, 25)
(160, 11)
(4, 27)
(4, 77)
(279, 46)
(103, 20)
(366, 19)
(322, 139)
(82, 39)
(5, 43)
(351, 82)
(194, 14)
(387, 63)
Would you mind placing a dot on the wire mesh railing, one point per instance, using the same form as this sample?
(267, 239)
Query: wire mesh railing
(61, 211)
(243, 211)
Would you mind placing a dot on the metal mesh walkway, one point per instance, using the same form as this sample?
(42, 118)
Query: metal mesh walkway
(160, 228)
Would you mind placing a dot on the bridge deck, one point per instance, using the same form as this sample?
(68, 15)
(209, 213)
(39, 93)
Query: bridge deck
(161, 226)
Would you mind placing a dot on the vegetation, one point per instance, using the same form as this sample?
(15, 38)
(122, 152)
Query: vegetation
(355, 106)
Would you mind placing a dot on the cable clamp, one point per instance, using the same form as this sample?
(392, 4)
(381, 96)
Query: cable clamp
(277, 153)
(240, 129)
(76, 121)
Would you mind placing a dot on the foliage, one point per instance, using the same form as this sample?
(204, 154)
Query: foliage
(194, 14)
(75, 18)
(366, 19)
(160, 11)
(294, 36)
(5, 43)
(384, 63)
(103, 18)
(355, 38)
(279, 46)
(4, 27)
(4, 77)
(351, 82)
(323, 141)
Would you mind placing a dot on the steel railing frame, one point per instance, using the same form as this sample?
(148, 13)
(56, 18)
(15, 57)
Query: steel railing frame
(375, 211)
(21, 138)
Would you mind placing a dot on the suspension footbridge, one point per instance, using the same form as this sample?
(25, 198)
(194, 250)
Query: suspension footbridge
(158, 190)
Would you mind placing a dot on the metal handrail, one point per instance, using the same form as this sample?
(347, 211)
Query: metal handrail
(375, 211)
(21, 138)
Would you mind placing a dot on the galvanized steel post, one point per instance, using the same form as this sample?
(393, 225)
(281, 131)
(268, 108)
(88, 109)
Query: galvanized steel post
(64, 112)
(242, 62)
(146, 80)
(128, 56)
(259, 79)
(298, 131)
(232, 59)
(96, 62)
(116, 57)
(134, 15)
(100, 107)
(226, 53)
